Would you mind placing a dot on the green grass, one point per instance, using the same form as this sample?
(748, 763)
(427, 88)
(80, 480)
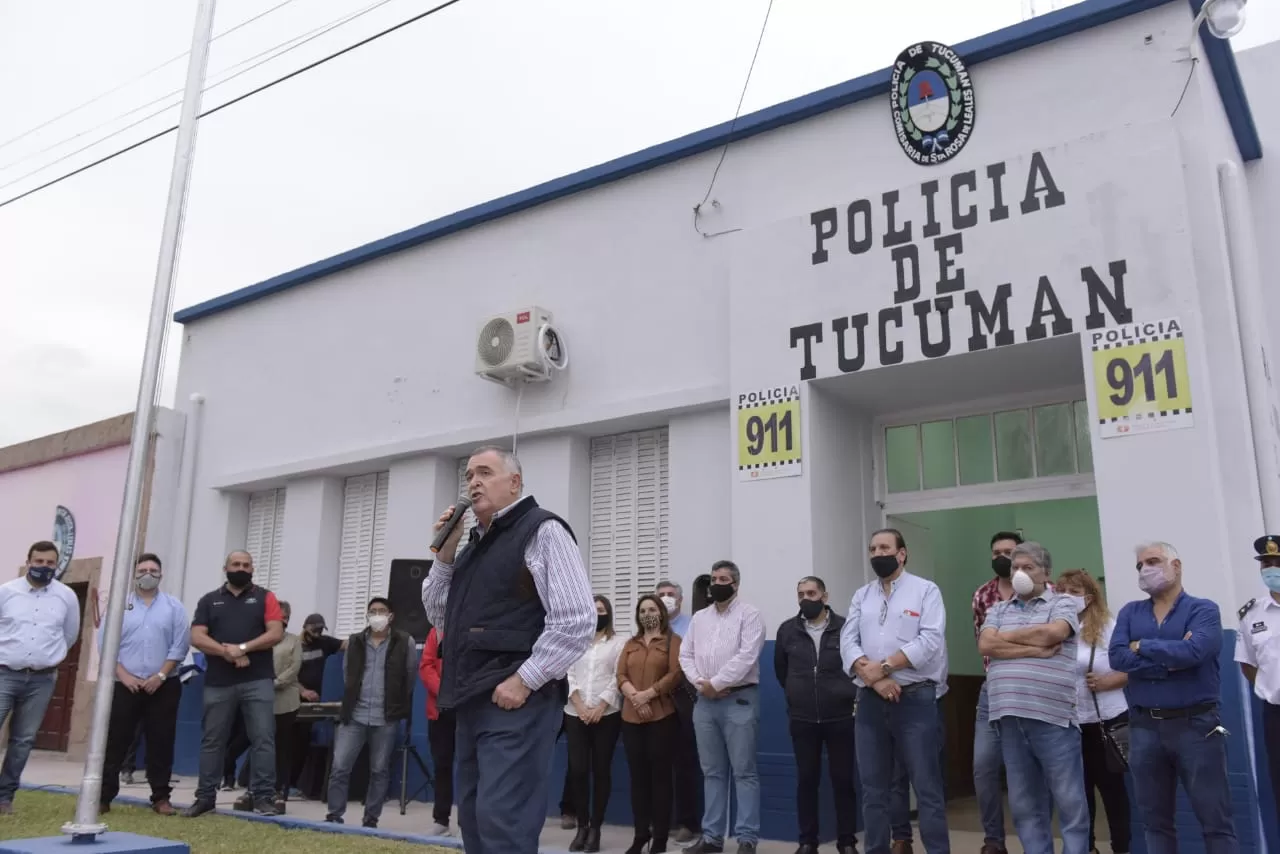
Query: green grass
(44, 813)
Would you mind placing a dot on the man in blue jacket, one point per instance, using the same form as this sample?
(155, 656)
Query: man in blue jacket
(1169, 645)
(820, 698)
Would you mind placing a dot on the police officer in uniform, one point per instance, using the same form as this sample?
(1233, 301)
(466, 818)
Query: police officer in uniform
(1258, 649)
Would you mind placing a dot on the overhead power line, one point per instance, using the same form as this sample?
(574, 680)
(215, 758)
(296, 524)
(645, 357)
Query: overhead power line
(96, 98)
(153, 137)
(274, 50)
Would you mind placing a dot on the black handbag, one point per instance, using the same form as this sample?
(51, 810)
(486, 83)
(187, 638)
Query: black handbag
(1115, 733)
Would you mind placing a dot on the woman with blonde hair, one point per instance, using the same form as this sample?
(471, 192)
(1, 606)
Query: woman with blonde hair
(1101, 709)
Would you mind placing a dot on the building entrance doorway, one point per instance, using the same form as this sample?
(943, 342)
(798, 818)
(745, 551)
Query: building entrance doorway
(951, 547)
(55, 729)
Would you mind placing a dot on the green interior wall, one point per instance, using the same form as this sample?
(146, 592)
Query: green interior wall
(952, 548)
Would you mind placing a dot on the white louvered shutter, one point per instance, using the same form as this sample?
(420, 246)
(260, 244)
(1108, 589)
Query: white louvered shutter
(362, 565)
(265, 538)
(469, 518)
(628, 550)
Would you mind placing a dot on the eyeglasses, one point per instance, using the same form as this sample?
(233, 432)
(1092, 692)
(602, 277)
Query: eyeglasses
(884, 611)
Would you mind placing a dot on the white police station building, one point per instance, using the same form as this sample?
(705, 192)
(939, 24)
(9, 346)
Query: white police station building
(922, 298)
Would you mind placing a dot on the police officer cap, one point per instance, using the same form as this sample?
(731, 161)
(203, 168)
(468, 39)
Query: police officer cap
(1268, 546)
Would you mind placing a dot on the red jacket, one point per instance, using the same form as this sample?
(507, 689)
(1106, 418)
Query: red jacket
(429, 672)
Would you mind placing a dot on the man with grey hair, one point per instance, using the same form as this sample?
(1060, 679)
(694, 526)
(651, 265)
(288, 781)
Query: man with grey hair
(514, 611)
(684, 766)
(1031, 695)
(1169, 645)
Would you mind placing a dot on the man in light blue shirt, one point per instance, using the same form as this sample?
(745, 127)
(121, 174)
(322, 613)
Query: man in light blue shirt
(154, 640)
(894, 644)
(39, 622)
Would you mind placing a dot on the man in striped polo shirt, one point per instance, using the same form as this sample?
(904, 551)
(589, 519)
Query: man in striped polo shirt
(1031, 692)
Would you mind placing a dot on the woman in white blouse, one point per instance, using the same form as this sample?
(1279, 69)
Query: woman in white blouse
(592, 723)
(1100, 702)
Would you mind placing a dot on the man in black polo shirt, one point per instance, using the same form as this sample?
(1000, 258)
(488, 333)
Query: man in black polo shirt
(235, 627)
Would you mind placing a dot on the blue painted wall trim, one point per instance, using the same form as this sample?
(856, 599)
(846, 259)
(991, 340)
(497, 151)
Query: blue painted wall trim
(777, 762)
(1064, 22)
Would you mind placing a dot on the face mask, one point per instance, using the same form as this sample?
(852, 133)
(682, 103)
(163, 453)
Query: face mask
(1081, 603)
(602, 622)
(40, 574)
(239, 578)
(720, 592)
(1022, 583)
(811, 609)
(884, 565)
(1151, 579)
(1271, 578)
(650, 622)
(378, 622)
(148, 582)
(669, 602)
(1002, 566)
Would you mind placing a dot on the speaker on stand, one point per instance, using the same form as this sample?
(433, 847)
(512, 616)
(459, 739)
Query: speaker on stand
(404, 592)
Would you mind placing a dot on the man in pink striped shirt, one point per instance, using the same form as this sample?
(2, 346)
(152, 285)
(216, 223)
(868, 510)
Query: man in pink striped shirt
(721, 657)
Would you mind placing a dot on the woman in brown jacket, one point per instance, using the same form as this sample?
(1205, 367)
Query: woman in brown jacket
(648, 675)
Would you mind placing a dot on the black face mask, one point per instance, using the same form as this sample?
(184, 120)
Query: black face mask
(720, 592)
(884, 565)
(239, 578)
(811, 609)
(1002, 566)
(602, 622)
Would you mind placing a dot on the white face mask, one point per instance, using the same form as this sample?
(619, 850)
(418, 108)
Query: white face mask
(378, 622)
(670, 603)
(1022, 583)
(1081, 603)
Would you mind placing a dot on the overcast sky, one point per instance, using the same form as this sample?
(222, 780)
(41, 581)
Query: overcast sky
(480, 100)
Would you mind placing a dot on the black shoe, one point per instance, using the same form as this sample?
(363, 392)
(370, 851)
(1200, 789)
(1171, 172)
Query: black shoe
(579, 839)
(592, 845)
(334, 819)
(637, 845)
(264, 806)
(244, 803)
(127, 778)
(568, 822)
(847, 848)
(371, 823)
(199, 808)
(746, 848)
(704, 846)
(806, 848)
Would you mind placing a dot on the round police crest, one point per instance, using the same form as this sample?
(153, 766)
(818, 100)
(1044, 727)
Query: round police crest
(932, 101)
(64, 537)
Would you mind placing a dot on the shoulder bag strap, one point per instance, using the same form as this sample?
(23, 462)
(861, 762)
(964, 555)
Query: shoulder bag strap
(1093, 650)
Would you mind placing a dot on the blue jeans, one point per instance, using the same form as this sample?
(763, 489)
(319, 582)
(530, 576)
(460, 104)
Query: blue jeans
(1191, 750)
(503, 762)
(1045, 768)
(256, 702)
(726, 731)
(900, 794)
(23, 699)
(907, 732)
(988, 762)
(348, 740)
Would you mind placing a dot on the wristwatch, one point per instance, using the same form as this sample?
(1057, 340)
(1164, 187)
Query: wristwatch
(244, 648)
(886, 668)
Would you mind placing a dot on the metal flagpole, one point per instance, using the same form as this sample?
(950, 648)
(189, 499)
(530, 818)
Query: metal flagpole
(86, 825)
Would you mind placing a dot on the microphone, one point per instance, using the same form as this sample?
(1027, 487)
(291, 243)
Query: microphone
(459, 510)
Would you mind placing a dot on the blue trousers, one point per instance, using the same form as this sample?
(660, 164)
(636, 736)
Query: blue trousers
(726, 731)
(1045, 769)
(24, 697)
(503, 761)
(1191, 750)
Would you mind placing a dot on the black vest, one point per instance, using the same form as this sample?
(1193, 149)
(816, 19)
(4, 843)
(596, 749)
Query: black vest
(493, 615)
(399, 691)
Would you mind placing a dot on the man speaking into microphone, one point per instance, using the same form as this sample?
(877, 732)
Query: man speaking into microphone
(514, 610)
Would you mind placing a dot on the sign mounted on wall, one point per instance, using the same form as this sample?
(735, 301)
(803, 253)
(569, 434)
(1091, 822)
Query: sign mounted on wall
(64, 537)
(769, 433)
(1140, 378)
(932, 103)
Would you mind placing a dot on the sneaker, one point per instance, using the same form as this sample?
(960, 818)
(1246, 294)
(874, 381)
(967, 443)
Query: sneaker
(746, 848)
(438, 829)
(265, 806)
(683, 835)
(297, 795)
(280, 805)
(228, 784)
(127, 778)
(705, 846)
(199, 808)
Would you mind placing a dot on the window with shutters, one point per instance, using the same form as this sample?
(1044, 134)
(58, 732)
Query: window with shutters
(265, 538)
(469, 519)
(628, 551)
(362, 565)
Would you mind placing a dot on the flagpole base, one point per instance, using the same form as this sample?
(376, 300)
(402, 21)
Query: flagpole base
(106, 843)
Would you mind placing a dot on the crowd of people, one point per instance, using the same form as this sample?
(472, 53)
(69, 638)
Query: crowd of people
(1077, 702)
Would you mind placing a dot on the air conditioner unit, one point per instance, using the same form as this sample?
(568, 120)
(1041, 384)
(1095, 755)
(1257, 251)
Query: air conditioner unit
(507, 347)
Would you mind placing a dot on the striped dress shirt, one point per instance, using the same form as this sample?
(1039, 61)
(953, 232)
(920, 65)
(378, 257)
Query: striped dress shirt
(555, 563)
(723, 647)
(1042, 689)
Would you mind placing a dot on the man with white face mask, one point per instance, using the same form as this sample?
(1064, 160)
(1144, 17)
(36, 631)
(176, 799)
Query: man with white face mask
(379, 673)
(154, 639)
(686, 815)
(1169, 645)
(1031, 697)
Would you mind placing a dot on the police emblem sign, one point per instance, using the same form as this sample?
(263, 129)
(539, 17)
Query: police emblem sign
(64, 537)
(932, 101)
